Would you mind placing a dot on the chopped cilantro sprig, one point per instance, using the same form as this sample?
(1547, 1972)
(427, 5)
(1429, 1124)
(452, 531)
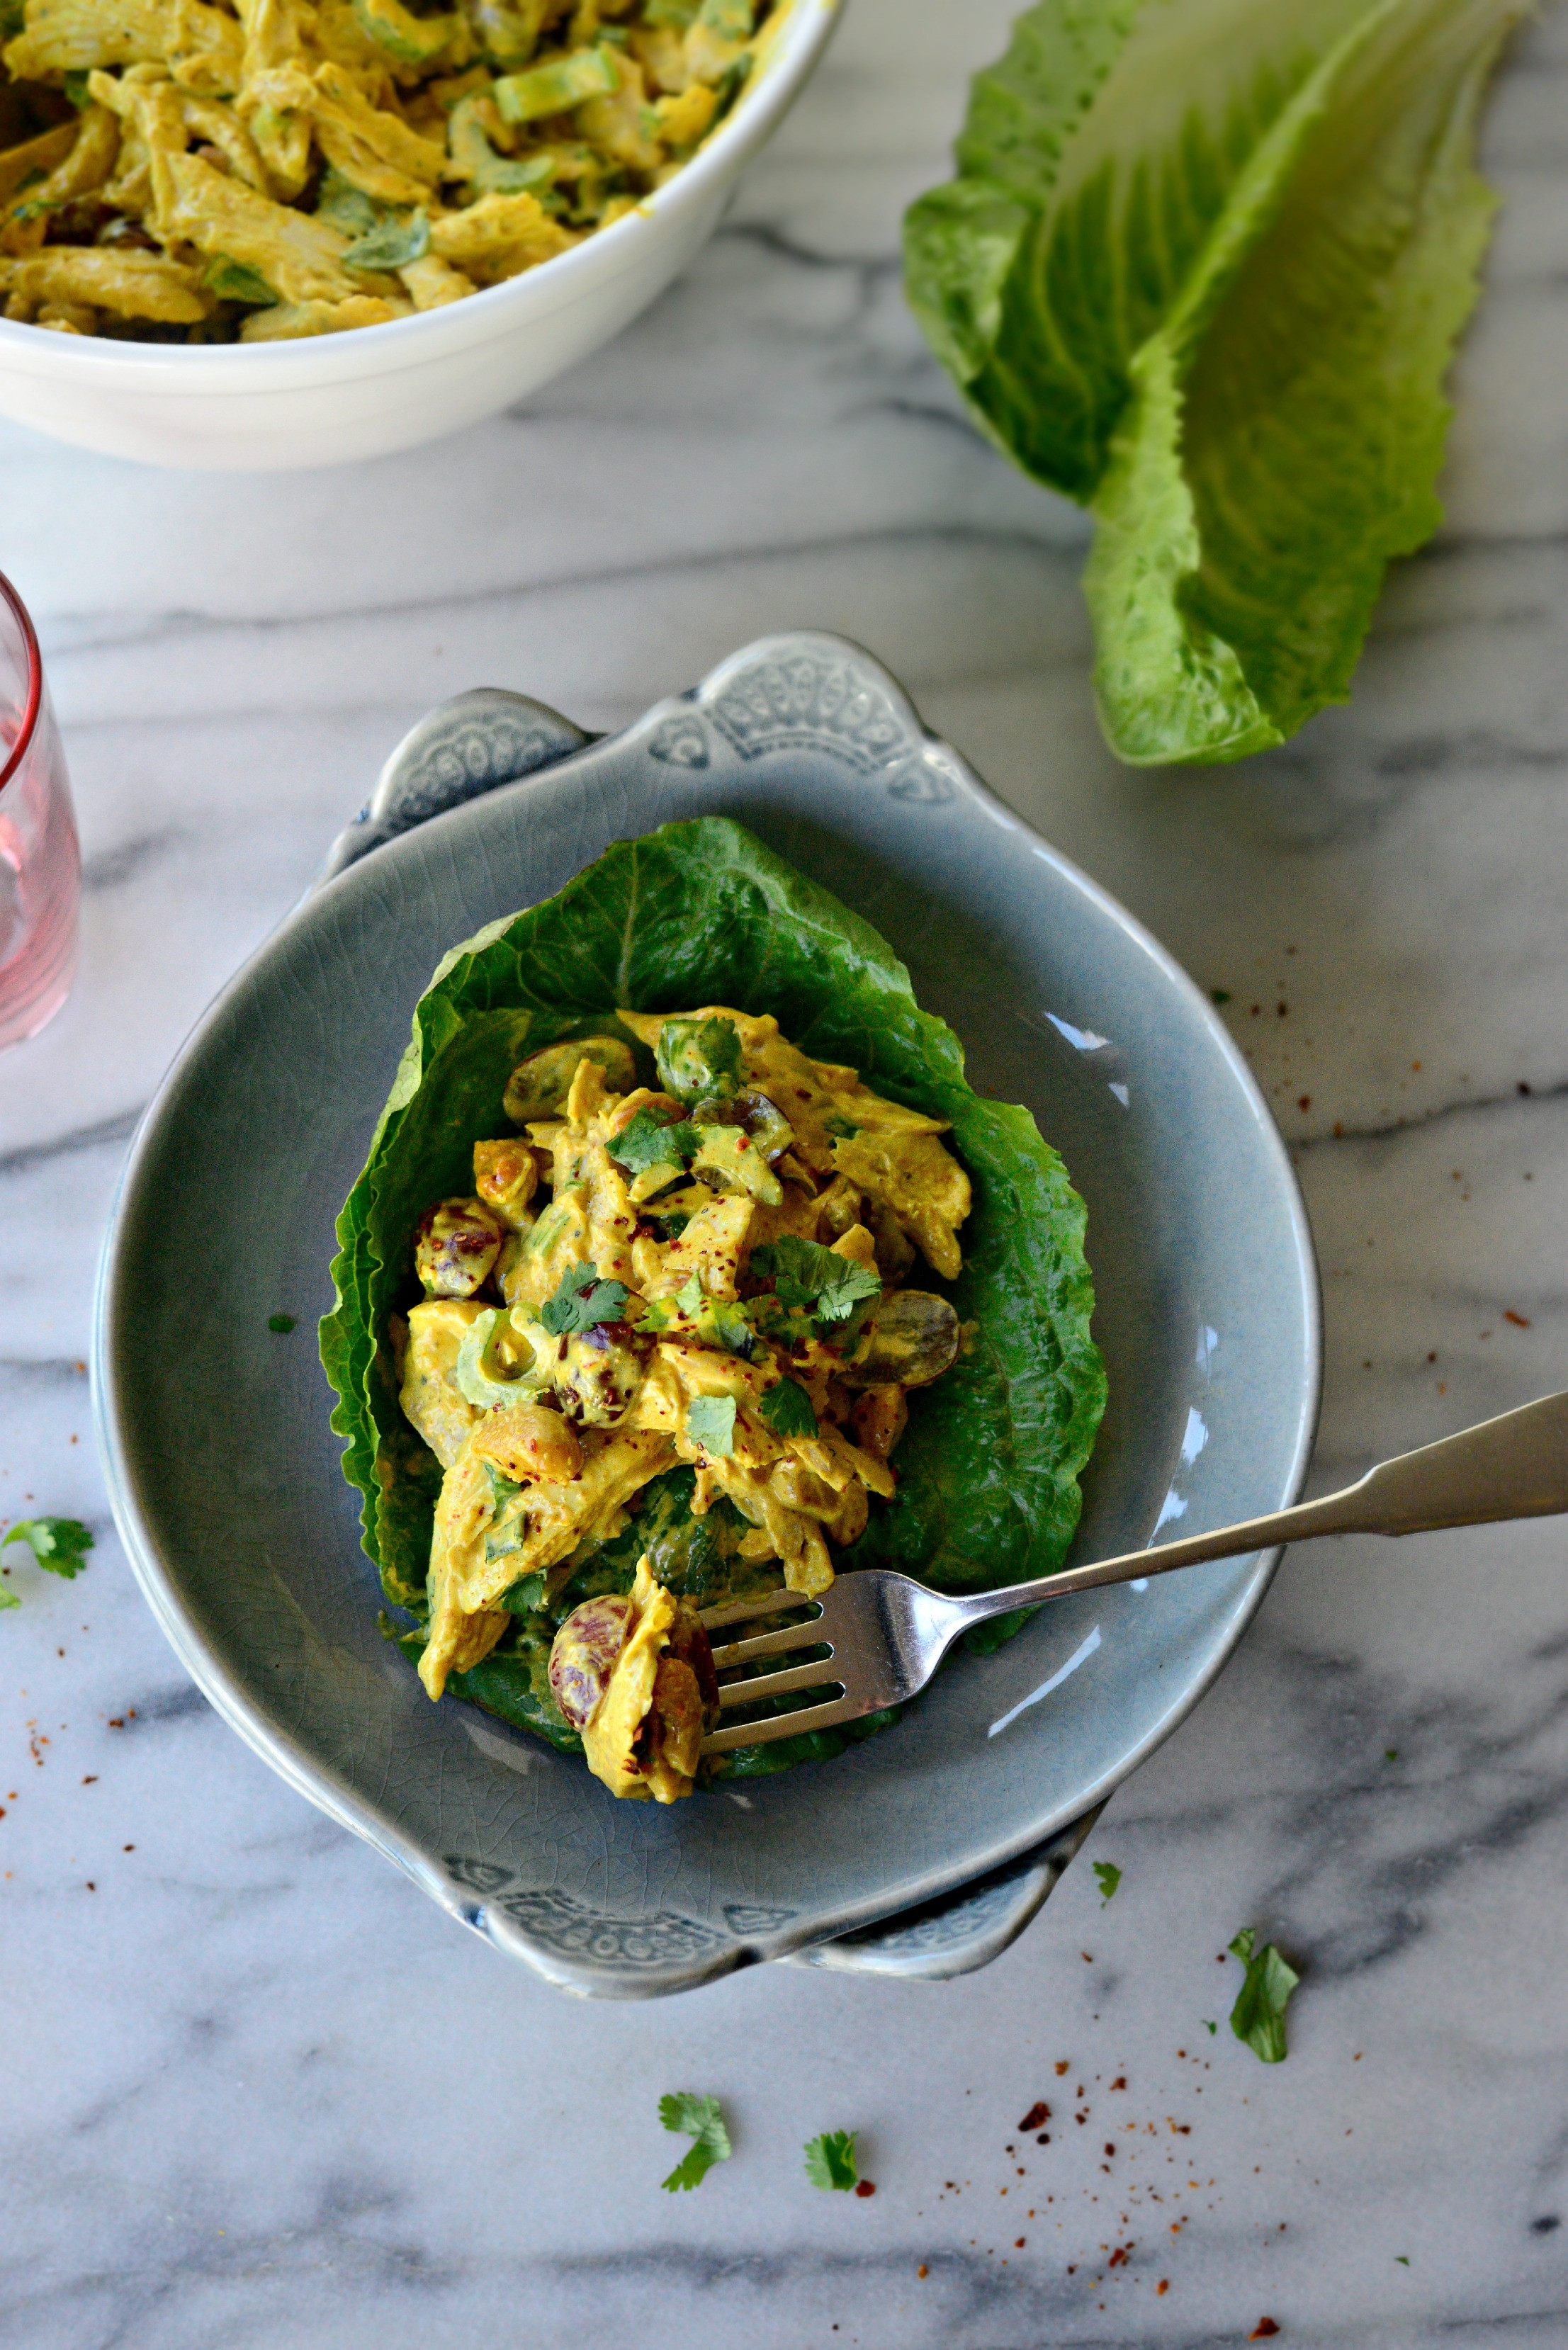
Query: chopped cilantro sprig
(787, 1410)
(60, 1544)
(711, 1422)
(806, 1275)
(644, 1142)
(1259, 2014)
(830, 2161)
(701, 2119)
(581, 1301)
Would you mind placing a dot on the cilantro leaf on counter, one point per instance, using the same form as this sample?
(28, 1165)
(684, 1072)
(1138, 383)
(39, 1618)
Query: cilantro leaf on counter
(581, 1301)
(711, 1422)
(644, 1142)
(805, 1273)
(701, 2120)
(1108, 1876)
(1259, 2014)
(787, 1410)
(830, 2160)
(58, 1544)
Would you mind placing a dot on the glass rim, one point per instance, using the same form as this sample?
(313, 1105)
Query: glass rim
(20, 748)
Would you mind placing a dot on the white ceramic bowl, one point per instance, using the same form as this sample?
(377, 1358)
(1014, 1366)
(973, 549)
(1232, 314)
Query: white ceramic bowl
(333, 398)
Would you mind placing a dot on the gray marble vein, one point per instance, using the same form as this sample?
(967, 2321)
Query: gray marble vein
(259, 2093)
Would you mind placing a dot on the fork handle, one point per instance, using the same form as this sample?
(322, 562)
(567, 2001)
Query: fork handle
(1512, 1467)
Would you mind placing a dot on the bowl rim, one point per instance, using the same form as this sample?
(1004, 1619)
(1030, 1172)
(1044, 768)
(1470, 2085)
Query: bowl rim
(608, 253)
(294, 1757)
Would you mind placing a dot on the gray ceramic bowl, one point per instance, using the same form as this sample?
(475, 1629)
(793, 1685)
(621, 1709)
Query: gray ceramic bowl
(924, 1851)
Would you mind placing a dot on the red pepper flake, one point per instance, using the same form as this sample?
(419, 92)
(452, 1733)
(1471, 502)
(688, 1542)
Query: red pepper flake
(922, 2271)
(1018, 2243)
(1038, 2113)
(1109, 2148)
(1116, 2259)
(116, 1722)
(1305, 1102)
(864, 2187)
(1264, 2330)
(1060, 2070)
(1339, 1129)
(1120, 2082)
(1519, 1321)
(91, 1885)
(1163, 2286)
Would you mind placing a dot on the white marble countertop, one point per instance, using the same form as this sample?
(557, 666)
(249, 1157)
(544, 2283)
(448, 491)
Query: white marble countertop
(259, 2093)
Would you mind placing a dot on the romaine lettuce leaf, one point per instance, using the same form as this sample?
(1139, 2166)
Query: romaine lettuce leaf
(699, 913)
(1202, 268)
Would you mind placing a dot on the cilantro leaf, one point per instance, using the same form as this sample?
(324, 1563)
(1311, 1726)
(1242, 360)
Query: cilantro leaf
(711, 1422)
(58, 1544)
(282, 1323)
(830, 2160)
(805, 1273)
(1259, 2014)
(8, 1598)
(701, 2120)
(1108, 1876)
(787, 1410)
(581, 1301)
(719, 1321)
(644, 1142)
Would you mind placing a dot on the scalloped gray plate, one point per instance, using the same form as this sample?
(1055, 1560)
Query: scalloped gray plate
(927, 1850)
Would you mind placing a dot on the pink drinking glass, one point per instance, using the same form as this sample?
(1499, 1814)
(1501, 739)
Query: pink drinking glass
(40, 864)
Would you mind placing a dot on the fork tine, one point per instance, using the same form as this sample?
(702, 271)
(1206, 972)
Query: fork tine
(784, 1725)
(774, 1684)
(742, 1611)
(770, 1644)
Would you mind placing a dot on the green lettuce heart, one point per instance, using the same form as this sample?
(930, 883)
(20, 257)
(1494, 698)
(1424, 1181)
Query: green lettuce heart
(1202, 268)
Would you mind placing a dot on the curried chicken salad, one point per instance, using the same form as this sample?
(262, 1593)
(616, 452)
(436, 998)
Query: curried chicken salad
(686, 1269)
(711, 1272)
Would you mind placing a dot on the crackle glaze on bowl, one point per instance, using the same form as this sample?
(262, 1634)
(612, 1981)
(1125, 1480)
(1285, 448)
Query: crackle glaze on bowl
(924, 1851)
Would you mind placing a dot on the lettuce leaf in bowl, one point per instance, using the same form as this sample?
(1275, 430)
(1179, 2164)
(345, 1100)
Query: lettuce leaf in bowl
(1202, 268)
(701, 912)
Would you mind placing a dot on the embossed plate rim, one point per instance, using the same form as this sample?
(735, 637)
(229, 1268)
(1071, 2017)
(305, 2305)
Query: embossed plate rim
(946, 775)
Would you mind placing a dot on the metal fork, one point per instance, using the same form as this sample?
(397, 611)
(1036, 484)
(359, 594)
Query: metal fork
(885, 1634)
